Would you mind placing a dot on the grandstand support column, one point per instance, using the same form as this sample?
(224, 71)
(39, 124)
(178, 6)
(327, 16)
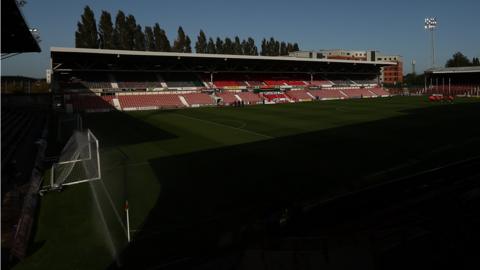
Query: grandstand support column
(449, 84)
(425, 83)
(311, 77)
(211, 78)
(443, 84)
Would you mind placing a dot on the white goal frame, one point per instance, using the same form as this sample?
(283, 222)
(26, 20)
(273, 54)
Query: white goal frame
(90, 137)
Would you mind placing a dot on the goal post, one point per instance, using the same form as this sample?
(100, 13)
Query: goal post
(78, 162)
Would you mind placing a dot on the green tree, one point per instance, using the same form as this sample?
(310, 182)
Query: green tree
(165, 42)
(201, 44)
(179, 43)
(120, 33)
(211, 46)
(252, 49)
(271, 47)
(162, 44)
(295, 47)
(188, 45)
(149, 39)
(289, 47)
(237, 46)
(458, 60)
(245, 47)
(264, 48)
(86, 35)
(228, 46)
(139, 40)
(105, 31)
(131, 29)
(475, 61)
(219, 46)
(276, 48)
(283, 48)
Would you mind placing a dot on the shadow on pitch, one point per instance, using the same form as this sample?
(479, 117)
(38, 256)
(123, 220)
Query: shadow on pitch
(211, 198)
(123, 129)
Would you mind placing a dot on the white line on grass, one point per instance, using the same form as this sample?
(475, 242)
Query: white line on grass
(226, 126)
(114, 209)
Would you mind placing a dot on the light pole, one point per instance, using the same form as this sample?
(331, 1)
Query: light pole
(431, 24)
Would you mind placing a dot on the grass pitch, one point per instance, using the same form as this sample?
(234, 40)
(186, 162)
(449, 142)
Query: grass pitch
(193, 176)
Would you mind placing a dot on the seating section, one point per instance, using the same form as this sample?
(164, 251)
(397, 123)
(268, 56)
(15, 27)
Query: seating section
(357, 93)
(299, 95)
(321, 83)
(21, 129)
(198, 99)
(16, 124)
(227, 97)
(250, 97)
(84, 81)
(182, 79)
(277, 97)
(137, 80)
(96, 80)
(341, 82)
(229, 80)
(327, 94)
(459, 89)
(379, 91)
(255, 83)
(148, 101)
(365, 82)
(190, 80)
(91, 102)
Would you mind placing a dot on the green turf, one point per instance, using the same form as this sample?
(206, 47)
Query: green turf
(191, 175)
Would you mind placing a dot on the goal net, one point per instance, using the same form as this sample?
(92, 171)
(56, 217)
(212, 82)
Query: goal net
(79, 161)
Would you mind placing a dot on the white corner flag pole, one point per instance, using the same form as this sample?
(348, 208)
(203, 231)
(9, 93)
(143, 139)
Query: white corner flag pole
(128, 221)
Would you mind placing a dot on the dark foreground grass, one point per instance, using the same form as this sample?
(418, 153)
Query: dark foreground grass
(194, 178)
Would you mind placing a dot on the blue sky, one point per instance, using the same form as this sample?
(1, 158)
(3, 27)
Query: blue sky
(392, 27)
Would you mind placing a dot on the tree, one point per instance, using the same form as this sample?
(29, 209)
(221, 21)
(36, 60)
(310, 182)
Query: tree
(283, 48)
(139, 39)
(237, 46)
(219, 46)
(295, 47)
(120, 33)
(149, 39)
(165, 42)
(228, 46)
(131, 28)
(252, 49)
(86, 35)
(276, 48)
(162, 44)
(179, 43)
(264, 47)
(105, 31)
(475, 61)
(188, 45)
(458, 60)
(201, 44)
(271, 47)
(289, 47)
(211, 46)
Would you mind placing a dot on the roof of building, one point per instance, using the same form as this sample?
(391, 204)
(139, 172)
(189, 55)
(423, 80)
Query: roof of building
(16, 38)
(474, 69)
(56, 50)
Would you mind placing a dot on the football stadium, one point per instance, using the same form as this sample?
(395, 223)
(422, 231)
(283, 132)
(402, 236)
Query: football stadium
(138, 159)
